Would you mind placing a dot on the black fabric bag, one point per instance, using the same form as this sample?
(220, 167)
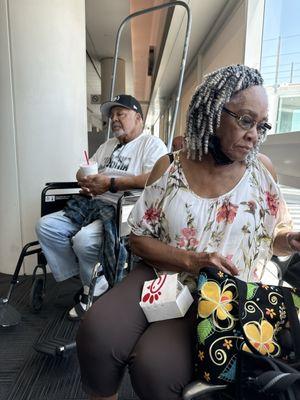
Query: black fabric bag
(290, 269)
(263, 378)
(236, 316)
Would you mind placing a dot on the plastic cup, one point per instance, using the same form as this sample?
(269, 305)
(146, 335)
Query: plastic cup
(89, 169)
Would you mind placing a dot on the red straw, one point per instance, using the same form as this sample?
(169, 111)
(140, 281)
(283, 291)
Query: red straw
(86, 157)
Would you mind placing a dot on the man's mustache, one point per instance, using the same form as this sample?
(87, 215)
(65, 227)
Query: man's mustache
(116, 126)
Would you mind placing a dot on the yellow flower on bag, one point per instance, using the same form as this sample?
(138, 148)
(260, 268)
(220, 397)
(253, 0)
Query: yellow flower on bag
(215, 301)
(260, 335)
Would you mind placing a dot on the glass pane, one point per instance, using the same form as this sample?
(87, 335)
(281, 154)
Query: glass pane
(289, 114)
(280, 63)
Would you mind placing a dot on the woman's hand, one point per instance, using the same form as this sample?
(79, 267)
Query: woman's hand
(293, 240)
(202, 260)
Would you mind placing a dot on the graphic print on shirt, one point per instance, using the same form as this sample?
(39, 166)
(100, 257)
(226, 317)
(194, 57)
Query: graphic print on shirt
(116, 160)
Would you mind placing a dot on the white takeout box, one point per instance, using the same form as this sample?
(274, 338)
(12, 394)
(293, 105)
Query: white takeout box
(165, 298)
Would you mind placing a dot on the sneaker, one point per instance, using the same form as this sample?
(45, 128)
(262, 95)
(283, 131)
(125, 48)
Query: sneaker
(76, 313)
(101, 286)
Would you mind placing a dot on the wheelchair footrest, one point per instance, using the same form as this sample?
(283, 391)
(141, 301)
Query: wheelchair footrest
(55, 347)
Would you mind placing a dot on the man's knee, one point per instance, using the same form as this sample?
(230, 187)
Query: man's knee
(43, 226)
(85, 240)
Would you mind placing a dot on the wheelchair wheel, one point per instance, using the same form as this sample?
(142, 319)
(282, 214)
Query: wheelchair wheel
(37, 291)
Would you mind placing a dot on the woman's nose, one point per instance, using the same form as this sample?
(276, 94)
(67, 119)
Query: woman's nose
(252, 134)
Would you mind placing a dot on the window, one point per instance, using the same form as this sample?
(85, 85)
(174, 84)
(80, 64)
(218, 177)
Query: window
(280, 63)
(288, 114)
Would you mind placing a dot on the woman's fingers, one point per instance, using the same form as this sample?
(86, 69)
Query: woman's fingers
(228, 266)
(218, 261)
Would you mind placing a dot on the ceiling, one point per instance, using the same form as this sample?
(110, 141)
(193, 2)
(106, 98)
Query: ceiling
(103, 18)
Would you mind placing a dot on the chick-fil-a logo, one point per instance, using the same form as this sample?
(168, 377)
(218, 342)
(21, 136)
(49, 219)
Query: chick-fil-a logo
(154, 289)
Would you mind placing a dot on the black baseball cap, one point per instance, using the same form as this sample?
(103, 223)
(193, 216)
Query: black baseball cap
(122, 100)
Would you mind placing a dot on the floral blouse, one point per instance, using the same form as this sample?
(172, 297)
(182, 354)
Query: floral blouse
(240, 224)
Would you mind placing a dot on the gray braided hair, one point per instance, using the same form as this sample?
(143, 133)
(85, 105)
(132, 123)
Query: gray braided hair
(204, 113)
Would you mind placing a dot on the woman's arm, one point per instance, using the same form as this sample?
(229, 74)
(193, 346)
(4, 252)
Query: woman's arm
(286, 243)
(168, 258)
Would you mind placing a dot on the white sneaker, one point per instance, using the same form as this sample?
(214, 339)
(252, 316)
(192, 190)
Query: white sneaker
(101, 286)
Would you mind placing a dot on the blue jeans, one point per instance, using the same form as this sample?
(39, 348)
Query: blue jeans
(69, 249)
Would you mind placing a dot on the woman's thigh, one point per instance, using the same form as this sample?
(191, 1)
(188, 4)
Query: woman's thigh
(162, 362)
(109, 332)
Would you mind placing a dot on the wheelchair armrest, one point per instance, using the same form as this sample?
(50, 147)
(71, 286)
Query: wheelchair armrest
(60, 193)
(133, 192)
(197, 389)
(127, 200)
(61, 185)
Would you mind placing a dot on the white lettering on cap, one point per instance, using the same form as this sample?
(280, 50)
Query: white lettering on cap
(117, 98)
(135, 107)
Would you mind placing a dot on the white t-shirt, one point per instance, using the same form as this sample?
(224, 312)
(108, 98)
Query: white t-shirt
(130, 159)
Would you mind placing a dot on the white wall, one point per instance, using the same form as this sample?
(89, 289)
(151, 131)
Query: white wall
(43, 110)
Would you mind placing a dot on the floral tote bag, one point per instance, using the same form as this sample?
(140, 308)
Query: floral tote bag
(236, 316)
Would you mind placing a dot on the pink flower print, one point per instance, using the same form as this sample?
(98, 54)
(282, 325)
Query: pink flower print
(227, 212)
(152, 214)
(188, 233)
(188, 239)
(273, 203)
(181, 242)
(194, 242)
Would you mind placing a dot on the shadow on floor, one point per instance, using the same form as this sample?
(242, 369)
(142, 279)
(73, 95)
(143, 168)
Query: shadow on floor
(28, 375)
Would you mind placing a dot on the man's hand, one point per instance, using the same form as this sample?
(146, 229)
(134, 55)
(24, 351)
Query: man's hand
(94, 185)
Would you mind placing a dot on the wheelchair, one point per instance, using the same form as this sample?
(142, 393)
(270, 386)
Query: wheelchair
(54, 197)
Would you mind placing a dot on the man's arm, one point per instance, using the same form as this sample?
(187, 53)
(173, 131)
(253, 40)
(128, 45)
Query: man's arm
(131, 182)
(99, 183)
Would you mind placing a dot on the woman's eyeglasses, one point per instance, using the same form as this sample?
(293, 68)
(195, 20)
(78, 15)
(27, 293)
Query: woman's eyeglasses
(246, 122)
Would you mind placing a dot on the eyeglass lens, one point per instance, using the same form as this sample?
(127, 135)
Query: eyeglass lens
(246, 122)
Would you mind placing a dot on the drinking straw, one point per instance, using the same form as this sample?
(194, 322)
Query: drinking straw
(86, 157)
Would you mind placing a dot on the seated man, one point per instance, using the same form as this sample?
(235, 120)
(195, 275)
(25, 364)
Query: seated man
(125, 162)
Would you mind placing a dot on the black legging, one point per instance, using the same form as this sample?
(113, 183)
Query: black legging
(115, 333)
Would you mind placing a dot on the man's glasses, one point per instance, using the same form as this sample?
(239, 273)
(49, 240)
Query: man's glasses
(246, 122)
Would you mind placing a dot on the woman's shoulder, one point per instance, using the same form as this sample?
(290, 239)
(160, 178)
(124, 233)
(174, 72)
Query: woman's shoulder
(160, 167)
(268, 165)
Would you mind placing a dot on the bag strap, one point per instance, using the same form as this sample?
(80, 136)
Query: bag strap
(293, 319)
(171, 157)
(291, 315)
(276, 381)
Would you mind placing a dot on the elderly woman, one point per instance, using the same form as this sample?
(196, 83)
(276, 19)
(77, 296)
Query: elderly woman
(216, 204)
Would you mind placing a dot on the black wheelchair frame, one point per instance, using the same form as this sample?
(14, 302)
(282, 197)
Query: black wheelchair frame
(54, 198)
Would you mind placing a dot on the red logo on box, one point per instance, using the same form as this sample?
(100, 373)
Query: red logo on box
(154, 290)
